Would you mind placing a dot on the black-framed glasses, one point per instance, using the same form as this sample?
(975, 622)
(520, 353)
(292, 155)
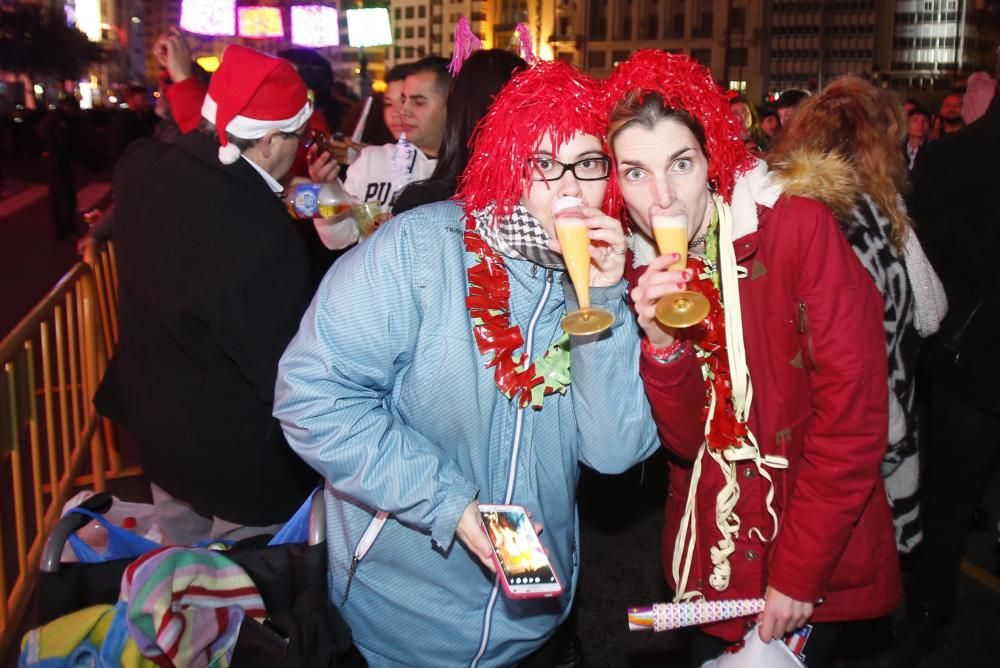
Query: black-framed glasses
(296, 136)
(595, 168)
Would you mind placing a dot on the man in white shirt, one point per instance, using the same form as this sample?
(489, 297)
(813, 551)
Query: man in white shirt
(381, 172)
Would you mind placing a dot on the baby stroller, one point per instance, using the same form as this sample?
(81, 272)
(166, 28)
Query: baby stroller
(302, 627)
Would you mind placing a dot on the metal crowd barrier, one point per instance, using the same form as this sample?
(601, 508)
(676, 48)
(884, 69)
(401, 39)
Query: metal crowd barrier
(100, 257)
(52, 441)
(50, 432)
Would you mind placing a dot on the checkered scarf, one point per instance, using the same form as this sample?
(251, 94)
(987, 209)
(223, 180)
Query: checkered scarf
(519, 236)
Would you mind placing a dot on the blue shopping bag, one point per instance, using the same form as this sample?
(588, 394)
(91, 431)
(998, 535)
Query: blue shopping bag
(296, 529)
(122, 543)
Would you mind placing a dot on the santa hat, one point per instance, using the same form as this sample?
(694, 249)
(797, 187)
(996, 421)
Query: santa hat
(251, 94)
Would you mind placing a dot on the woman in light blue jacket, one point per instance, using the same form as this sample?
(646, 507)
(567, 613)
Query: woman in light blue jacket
(431, 374)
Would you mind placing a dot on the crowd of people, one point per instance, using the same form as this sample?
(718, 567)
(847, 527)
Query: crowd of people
(425, 370)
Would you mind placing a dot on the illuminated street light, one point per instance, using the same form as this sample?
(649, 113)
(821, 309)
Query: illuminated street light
(367, 27)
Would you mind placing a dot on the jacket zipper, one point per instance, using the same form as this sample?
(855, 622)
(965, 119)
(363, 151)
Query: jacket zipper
(361, 549)
(512, 474)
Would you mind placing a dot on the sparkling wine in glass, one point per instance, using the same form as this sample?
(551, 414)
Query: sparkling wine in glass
(685, 308)
(574, 238)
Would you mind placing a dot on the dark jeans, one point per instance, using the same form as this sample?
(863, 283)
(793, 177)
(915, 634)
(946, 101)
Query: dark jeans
(557, 650)
(962, 454)
(818, 649)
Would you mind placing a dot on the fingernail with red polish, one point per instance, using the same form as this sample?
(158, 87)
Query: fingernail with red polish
(682, 286)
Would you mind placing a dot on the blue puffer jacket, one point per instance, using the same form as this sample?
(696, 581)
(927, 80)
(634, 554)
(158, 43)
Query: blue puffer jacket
(384, 392)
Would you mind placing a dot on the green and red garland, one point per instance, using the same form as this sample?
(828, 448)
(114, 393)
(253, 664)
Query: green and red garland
(489, 307)
(709, 339)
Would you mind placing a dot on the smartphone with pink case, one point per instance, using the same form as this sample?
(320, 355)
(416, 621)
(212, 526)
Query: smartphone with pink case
(523, 566)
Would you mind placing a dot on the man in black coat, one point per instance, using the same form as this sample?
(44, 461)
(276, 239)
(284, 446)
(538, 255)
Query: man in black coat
(955, 207)
(214, 280)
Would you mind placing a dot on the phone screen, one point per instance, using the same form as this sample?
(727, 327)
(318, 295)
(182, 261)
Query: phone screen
(521, 555)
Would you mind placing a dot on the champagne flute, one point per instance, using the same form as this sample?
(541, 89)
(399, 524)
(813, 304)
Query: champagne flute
(685, 308)
(366, 216)
(574, 238)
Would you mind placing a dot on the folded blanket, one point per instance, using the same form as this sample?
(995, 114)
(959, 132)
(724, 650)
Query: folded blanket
(186, 605)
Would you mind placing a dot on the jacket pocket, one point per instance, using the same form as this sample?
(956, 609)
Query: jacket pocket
(805, 336)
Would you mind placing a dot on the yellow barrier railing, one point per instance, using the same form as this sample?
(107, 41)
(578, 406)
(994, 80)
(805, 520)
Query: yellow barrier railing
(100, 257)
(50, 366)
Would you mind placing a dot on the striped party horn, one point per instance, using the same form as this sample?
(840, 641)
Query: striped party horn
(666, 616)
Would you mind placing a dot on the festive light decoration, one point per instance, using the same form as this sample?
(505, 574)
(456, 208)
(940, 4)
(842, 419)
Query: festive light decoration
(209, 17)
(368, 27)
(208, 63)
(315, 26)
(260, 22)
(88, 18)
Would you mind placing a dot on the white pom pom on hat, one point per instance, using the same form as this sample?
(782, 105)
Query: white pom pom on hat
(252, 94)
(229, 154)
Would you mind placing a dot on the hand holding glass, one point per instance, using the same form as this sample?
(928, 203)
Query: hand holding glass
(685, 308)
(574, 238)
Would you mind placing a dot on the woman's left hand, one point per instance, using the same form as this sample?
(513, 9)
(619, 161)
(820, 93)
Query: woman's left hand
(607, 246)
(782, 615)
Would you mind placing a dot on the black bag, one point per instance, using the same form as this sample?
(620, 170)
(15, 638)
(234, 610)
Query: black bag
(303, 628)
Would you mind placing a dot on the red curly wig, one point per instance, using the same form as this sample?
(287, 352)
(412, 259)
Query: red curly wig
(549, 98)
(684, 85)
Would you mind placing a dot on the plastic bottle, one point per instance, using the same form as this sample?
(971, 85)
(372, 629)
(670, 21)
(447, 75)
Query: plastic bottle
(317, 200)
(95, 535)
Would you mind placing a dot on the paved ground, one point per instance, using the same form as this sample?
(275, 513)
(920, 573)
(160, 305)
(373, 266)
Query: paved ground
(31, 258)
(621, 520)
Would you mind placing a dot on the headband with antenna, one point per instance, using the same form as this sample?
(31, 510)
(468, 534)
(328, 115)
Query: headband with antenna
(467, 43)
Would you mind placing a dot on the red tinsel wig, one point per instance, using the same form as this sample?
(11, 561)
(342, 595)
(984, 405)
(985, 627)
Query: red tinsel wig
(551, 98)
(686, 85)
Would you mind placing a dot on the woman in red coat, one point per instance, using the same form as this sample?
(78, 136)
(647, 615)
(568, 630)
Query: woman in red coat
(774, 406)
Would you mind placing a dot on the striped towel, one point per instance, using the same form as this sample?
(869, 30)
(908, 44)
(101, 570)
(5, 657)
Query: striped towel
(185, 606)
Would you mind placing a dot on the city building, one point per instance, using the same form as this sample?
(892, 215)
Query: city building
(161, 15)
(935, 42)
(810, 42)
(427, 27)
(725, 35)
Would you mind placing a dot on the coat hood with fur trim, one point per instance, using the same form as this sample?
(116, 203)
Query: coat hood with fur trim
(827, 177)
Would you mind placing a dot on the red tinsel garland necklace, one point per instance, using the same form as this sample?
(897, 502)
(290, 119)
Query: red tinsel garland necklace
(489, 306)
(709, 338)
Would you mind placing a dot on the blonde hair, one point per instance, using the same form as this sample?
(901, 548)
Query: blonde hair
(863, 125)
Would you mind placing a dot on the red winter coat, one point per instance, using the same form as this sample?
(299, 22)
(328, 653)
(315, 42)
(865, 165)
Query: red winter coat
(815, 347)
